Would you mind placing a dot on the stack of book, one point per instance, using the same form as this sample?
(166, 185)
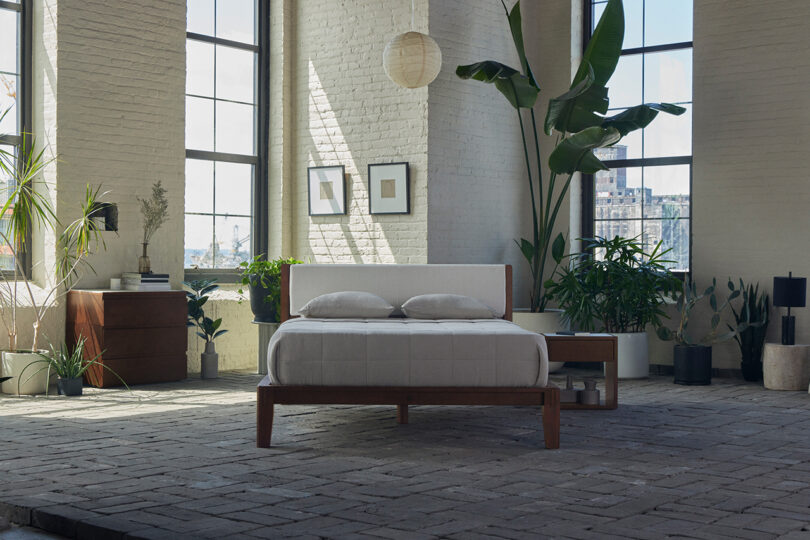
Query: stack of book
(133, 281)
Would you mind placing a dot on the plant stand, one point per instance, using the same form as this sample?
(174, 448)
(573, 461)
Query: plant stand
(786, 367)
(266, 331)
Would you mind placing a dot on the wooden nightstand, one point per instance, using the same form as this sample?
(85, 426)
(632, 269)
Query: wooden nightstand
(588, 348)
(143, 335)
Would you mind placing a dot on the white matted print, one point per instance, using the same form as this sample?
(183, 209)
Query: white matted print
(327, 190)
(389, 190)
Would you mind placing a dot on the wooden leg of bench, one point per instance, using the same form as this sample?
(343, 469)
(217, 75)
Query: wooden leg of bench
(551, 418)
(264, 418)
(402, 414)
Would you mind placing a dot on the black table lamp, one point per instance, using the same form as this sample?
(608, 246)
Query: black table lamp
(789, 292)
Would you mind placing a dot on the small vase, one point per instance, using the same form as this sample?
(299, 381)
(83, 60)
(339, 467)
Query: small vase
(144, 265)
(209, 362)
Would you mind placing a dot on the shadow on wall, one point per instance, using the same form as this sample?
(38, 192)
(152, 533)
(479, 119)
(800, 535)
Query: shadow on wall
(334, 238)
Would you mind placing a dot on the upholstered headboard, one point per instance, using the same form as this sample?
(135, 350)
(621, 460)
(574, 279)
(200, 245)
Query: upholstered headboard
(489, 283)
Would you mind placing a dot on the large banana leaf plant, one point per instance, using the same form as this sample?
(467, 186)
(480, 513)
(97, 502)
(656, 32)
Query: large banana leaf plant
(578, 117)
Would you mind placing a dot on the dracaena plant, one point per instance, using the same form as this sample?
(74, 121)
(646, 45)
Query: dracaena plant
(579, 119)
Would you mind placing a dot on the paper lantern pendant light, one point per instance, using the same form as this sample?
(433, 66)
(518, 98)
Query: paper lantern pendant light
(412, 59)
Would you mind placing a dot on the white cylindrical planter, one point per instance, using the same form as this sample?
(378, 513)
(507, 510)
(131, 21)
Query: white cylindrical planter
(633, 356)
(14, 363)
(209, 362)
(786, 367)
(548, 322)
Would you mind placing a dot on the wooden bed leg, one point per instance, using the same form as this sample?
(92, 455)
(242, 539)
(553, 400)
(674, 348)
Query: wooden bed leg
(264, 417)
(551, 418)
(402, 414)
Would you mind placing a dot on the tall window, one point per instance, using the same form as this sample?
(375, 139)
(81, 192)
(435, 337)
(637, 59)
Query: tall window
(225, 131)
(647, 191)
(15, 92)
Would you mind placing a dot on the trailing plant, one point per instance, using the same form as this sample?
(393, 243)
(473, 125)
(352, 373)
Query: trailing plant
(155, 211)
(754, 316)
(260, 272)
(65, 363)
(686, 300)
(578, 117)
(27, 205)
(208, 328)
(614, 286)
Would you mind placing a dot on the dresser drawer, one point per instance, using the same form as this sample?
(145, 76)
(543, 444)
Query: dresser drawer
(124, 342)
(127, 309)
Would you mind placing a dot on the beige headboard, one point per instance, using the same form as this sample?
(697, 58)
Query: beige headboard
(489, 283)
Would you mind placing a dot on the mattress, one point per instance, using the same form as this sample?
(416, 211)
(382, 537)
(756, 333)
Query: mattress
(406, 352)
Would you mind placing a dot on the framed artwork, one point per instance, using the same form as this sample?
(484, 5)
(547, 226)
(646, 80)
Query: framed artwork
(327, 190)
(389, 188)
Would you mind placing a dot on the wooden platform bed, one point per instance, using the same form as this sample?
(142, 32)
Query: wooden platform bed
(548, 397)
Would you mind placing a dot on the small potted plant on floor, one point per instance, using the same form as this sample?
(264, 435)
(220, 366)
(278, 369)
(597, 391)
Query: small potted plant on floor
(68, 366)
(616, 287)
(263, 279)
(208, 328)
(754, 317)
(692, 357)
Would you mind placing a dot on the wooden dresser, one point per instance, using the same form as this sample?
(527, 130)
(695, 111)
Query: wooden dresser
(143, 335)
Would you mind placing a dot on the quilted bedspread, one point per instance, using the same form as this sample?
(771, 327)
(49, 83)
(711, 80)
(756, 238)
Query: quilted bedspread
(406, 352)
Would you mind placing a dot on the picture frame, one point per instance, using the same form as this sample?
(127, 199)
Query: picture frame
(326, 188)
(389, 188)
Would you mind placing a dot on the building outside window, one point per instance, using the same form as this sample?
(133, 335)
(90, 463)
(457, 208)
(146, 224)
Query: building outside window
(647, 191)
(225, 132)
(15, 92)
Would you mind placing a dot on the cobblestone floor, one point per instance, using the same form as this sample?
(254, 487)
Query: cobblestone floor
(179, 460)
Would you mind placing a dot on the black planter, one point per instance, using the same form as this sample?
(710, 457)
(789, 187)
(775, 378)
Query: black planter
(262, 311)
(693, 365)
(69, 387)
(751, 371)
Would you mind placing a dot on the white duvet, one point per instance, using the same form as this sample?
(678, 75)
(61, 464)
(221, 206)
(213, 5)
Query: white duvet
(406, 352)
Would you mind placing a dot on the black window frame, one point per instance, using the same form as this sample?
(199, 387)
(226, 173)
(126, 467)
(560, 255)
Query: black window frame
(588, 196)
(24, 105)
(259, 232)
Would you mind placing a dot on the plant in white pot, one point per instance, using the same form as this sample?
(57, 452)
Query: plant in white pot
(207, 328)
(578, 117)
(692, 356)
(26, 207)
(614, 286)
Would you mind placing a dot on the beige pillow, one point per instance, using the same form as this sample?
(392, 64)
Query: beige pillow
(446, 306)
(347, 305)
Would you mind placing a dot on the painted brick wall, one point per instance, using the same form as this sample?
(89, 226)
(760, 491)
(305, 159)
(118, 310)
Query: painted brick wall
(346, 111)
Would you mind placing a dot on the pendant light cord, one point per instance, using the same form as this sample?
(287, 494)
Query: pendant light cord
(413, 8)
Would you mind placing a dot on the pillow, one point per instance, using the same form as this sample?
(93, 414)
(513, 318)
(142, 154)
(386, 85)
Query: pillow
(347, 304)
(446, 306)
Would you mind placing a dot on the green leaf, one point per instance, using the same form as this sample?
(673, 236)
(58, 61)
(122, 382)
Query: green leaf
(664, 333)
(640, 116)
(576, 109)
(516, 26)
(527, 248)
(516, 87)
(713, 302)
(715, 320)
(604, 47)
(558, 248)
(575, 152)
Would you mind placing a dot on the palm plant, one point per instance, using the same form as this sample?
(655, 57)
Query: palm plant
(27, 206)
(578, 117)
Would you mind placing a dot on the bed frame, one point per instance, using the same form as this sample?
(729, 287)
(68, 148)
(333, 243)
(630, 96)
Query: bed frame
(269, 394)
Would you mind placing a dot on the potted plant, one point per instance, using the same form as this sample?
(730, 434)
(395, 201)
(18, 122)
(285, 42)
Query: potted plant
(753, 317)
(208, 328)
(263, 279)
(155, 212)
(578, 117)
(27, 205)
(692, 357)
(616, 287)
(68, 366)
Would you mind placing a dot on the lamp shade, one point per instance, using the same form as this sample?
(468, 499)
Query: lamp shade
(412, 59)
(789, 291)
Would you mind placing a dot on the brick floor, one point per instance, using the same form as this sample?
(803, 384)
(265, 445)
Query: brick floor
(179, 460)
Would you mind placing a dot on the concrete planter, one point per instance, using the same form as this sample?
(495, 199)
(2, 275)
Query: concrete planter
(548, 322)
(633, 356)
(209, 362)
(13, 364)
